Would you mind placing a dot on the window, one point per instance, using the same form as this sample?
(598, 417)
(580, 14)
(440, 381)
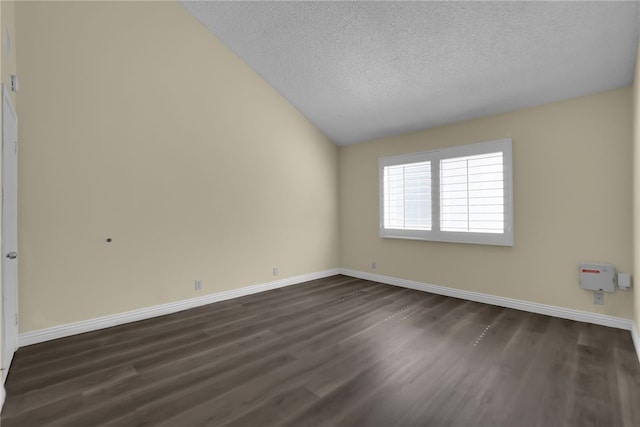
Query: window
(407, 190)
(460, 194)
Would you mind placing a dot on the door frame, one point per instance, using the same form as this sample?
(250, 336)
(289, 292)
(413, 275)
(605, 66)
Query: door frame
(8, 324)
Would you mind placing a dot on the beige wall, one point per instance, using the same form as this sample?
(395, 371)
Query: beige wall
(138, 125)
(572, 187)
(636, 184)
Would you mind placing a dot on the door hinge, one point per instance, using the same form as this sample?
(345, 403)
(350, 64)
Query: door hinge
(16, 319)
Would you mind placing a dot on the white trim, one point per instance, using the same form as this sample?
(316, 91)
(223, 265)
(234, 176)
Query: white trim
(636, 339)
(95, 324)
(2, 395)
(533, 307)
(9, 226)
(61, 331)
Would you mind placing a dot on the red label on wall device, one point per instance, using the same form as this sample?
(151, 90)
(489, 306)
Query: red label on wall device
(591, 271)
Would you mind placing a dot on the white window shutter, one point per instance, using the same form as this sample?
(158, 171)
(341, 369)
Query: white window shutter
(472, 194)
(407, 196)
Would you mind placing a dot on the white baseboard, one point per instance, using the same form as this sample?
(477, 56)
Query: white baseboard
(636, 339)
(533, 307)
(75, 328)
(95, 324)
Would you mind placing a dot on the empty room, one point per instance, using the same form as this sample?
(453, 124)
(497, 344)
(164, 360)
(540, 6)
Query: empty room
(320, 213)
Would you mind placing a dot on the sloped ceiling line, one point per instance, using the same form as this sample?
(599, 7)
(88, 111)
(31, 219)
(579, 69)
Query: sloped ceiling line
(364, 70)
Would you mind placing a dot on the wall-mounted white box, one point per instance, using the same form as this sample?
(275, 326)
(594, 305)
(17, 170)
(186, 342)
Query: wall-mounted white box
(624, 281)
(598, 277)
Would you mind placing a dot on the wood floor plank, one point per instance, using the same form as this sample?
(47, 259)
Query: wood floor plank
(333, 352)
(276, 411)
(38, 397)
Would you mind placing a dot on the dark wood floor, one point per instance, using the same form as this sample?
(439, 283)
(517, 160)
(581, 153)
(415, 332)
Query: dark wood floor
(332, 352)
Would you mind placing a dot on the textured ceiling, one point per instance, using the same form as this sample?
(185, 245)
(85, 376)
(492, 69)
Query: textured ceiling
(363, 70)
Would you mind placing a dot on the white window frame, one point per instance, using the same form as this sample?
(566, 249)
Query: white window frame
(435, 234)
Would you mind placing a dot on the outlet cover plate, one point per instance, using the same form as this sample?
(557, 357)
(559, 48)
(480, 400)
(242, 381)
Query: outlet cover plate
(598, 298)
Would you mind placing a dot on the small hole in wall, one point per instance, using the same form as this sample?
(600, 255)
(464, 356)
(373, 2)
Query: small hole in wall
(108, 239)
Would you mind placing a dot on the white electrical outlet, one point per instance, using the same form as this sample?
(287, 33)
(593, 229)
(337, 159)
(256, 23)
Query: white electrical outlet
(275, 271)
(198, 286)
(373, 265)
(598, 298)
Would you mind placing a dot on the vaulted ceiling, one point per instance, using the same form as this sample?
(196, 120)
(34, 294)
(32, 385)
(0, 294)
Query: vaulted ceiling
(363, 70)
